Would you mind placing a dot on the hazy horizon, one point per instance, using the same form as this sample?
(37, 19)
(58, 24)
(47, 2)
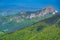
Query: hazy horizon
(28, 4)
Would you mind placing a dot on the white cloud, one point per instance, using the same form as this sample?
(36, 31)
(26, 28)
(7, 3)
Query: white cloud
(27, 17)
(32, 15)
(53, 12)
(11, 19)
(56, 11)
(18, 21)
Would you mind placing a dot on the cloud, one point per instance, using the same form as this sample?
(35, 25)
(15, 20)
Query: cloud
(32, 16)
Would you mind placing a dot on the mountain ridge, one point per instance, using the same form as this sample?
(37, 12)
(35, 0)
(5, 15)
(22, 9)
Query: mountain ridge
(23, 19)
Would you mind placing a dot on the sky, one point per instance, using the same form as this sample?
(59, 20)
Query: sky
(28, 4)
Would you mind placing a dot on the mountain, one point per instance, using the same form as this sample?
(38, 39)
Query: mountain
(39, 13)
(47, 29)
(23, 19)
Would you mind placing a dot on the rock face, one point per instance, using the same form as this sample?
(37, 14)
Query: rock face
(43, 12)
(47, 10)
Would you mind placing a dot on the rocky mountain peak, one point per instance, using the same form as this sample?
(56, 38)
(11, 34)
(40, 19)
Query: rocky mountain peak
(47, 10)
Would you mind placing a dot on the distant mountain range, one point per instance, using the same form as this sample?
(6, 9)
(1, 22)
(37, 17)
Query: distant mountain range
(25, 18)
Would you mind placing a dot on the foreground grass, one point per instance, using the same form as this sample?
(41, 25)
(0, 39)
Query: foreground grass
(49, 33)
(38, 31)
(2, 33)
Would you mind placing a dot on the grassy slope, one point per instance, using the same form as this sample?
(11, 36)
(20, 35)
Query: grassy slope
(33, 33)
(2, 33)
(38, 31)
(24, 34)
(49, 33)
